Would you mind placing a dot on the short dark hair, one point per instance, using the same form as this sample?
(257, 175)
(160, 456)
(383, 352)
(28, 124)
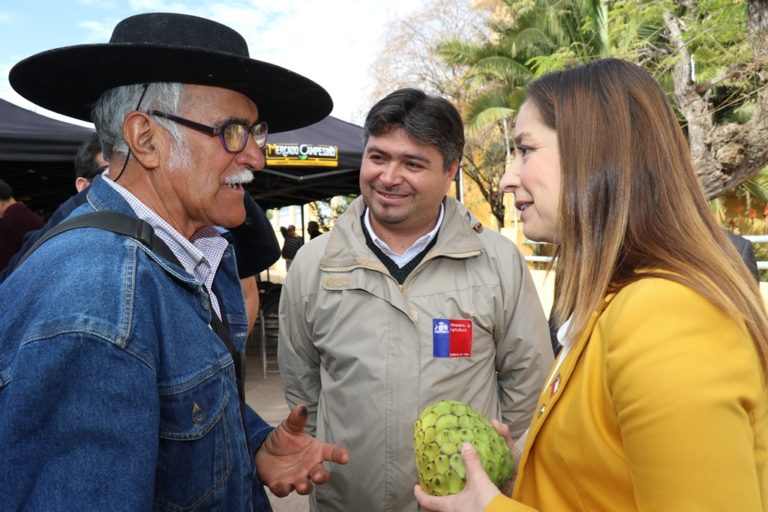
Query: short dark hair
(85, 159)
(426, 119)
(5, 191)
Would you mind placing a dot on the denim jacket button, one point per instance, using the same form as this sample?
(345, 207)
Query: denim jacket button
(198, 416)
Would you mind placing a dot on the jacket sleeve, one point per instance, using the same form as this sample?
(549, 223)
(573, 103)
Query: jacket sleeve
(689, 399)
(257, 433)
(746, 251)
(258, 430)
(297, 357)
(73, 436)
(748, 255)
(523, 350)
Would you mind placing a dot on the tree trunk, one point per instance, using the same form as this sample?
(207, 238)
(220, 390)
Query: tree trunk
(757, 24)
(724, 155)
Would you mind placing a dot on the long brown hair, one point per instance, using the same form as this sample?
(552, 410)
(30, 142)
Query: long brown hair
(631, 205)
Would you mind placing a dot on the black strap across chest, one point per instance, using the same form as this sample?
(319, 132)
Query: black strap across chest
(144, 233)
(111, 221)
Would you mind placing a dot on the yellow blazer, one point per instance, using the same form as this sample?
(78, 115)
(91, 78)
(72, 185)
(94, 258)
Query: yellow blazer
(660, 405)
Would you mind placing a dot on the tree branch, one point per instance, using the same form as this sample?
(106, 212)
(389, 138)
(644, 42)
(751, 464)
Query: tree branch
(732, 72)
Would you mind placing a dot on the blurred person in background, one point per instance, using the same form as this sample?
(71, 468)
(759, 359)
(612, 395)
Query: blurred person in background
(16, 219)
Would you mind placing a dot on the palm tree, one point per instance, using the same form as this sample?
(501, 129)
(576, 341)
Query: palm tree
(543, 36)
(528, 41)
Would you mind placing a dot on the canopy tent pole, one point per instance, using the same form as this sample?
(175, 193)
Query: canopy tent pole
(459, 182)
(303, 224)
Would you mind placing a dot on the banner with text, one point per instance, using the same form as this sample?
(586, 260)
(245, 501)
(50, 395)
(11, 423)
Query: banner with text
(302, 155)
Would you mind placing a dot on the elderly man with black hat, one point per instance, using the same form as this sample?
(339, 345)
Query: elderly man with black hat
(120, 387)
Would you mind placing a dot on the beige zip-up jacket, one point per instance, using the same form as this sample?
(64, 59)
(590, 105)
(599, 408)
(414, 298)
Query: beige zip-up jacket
(357, 348)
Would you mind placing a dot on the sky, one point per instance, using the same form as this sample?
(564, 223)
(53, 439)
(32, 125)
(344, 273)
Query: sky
(333, 42)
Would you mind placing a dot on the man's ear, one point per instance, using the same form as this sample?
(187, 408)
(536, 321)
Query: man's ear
(453, 169)
(81, 183)
(451, 172)
(141, 136)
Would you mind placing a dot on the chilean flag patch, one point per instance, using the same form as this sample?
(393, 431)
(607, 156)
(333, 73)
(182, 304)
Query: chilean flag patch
(451, 338)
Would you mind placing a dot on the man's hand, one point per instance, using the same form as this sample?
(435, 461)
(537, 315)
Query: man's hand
(476, 495)
(291, 459)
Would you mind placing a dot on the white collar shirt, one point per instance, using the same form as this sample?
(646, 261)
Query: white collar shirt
(200, 256)
(414, 250)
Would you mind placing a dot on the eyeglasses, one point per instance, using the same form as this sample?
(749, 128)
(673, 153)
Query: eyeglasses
(233, 133)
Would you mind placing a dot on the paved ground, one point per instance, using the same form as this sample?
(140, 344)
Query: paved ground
(266, 398)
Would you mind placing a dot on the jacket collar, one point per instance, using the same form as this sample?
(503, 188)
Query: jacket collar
(102, 197)
(347, 249)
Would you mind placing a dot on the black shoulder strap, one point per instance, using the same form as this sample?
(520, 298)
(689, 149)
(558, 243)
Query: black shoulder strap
(145, 233)
(237, 358)
(111, 221)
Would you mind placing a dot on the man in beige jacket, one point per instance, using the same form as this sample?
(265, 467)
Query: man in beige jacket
(408, 300)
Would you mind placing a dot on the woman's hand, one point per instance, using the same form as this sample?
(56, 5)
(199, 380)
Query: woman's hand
(476, 495)
(515, 448)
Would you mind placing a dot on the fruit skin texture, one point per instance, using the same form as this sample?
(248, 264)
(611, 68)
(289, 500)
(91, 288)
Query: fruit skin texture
(437, 438)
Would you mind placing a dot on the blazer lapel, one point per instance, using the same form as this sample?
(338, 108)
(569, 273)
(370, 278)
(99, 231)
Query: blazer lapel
(554, 389)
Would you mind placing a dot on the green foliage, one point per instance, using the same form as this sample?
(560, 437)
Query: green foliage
(733, 112)
(537, 36)
(502, 68)
(635, 28)
(326, 212)
(533, 37)
(716, 37)
(755, 188)
(761, 254)
(745, 210)
(493, 106)
(559, 59)
(540, 36)
(341, 204)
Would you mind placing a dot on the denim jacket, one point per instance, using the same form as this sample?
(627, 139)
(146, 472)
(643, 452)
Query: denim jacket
(115, 394)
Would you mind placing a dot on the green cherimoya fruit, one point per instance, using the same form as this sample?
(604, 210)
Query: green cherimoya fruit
(437, 437)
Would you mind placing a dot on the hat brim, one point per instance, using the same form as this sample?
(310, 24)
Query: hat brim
(69, 80)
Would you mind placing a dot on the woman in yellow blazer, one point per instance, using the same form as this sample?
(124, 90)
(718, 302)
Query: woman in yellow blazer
(658, 400)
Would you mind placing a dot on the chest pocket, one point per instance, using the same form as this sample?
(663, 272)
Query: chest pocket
(195, 445)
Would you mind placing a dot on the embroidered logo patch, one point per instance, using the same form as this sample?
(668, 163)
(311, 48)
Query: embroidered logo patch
(451, 338)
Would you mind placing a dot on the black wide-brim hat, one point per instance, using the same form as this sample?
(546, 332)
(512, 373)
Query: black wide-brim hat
(165, 47)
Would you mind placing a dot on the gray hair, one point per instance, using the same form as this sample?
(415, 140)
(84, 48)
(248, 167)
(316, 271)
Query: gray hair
(114, 105)
(427, 119)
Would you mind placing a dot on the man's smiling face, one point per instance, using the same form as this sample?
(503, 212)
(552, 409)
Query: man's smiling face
(403, 182)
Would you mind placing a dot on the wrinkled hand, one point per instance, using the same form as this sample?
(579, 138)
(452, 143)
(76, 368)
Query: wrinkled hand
(476, 495)
(292, 459)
